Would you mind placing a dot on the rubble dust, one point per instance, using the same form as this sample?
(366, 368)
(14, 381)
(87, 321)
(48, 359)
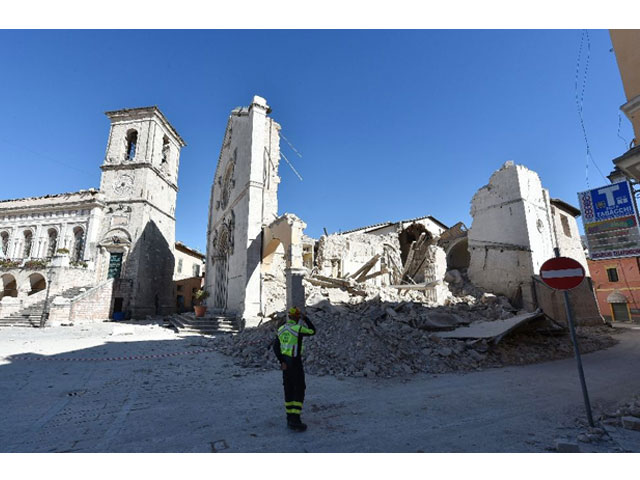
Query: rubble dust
(389, 334)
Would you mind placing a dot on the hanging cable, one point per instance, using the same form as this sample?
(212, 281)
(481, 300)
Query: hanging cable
(292, 147)
(624, 140)
(291, 166)
(580, 98)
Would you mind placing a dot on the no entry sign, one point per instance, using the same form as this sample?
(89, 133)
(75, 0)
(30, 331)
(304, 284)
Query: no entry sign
(562, 273)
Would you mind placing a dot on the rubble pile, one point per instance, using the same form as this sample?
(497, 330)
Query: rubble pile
(387, 334)
(625, 414)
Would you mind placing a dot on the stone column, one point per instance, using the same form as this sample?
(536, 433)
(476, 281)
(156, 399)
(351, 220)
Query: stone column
(295, 288)
(63, 241)
(37, 243)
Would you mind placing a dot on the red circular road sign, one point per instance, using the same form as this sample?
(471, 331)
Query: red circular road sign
(562, 273)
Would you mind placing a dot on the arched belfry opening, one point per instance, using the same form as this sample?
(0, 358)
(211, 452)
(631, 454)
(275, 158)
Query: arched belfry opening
(132, 142)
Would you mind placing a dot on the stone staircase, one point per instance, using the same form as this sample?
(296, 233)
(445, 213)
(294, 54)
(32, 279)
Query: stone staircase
(31, 315)
(209, 325)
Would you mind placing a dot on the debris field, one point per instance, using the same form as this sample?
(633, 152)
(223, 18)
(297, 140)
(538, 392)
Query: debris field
(382, 333)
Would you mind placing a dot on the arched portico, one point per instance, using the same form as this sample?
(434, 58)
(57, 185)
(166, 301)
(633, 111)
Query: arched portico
(37, 283)
(8, 286)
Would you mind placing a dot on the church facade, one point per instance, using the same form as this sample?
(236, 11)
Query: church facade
(112, 248)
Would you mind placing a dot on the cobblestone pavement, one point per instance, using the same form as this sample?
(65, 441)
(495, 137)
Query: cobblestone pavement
(142, 388)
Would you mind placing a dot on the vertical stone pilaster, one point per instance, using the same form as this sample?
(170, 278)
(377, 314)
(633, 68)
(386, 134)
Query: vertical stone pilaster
(295, 288)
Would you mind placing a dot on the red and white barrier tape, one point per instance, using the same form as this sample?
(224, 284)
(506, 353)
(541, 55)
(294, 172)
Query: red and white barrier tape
(108, 359)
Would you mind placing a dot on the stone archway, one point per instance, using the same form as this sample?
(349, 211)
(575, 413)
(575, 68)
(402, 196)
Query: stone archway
(273, 254)
(8, 286)
(37, 282)
(458, 256)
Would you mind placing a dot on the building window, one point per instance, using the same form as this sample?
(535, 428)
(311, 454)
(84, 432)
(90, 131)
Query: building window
(165, 151)
(565, 225)
(4, 243)
(78, 244)
(612, 274)
(28, 240)
(227, 185)
(132, 141)
(196, 270)
(179, 265)
(52, 242)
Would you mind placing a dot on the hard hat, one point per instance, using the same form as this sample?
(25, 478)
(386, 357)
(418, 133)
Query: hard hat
(293, 311)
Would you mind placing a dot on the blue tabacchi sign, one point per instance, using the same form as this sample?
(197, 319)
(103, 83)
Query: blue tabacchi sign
(606, 203)
(610, 221)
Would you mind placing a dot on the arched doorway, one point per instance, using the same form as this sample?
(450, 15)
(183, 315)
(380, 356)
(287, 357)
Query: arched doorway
(221, 268)
(38, 283)
(619, 307)
(8, 286)
(458, 255)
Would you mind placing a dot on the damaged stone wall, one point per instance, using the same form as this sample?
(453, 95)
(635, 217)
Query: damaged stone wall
(243, 201)
(341, 256)
(405, 261)
(512, 234)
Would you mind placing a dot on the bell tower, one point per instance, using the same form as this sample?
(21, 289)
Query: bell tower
(140, 184)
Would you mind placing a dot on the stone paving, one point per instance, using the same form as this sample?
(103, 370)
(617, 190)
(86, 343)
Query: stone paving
(171, 395)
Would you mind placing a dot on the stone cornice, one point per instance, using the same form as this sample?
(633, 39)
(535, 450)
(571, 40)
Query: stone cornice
(136, 166)
(140, 200)
(82, 204)
(631, 107)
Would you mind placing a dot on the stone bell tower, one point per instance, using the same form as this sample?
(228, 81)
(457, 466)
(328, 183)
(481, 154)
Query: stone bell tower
(137, 233)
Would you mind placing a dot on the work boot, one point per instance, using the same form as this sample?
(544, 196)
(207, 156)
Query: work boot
(290, 420)
(296, 423)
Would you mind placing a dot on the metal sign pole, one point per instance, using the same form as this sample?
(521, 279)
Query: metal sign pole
(574, 340)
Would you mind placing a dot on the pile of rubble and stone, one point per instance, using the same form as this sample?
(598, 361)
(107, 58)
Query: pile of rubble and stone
(373, 331)
(625, 415)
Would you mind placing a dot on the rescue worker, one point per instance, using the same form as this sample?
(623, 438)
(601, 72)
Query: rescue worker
(288, 348)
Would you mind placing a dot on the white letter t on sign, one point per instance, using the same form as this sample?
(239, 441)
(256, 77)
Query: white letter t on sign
(608, 192)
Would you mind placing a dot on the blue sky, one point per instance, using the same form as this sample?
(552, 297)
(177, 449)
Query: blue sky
(391, 124)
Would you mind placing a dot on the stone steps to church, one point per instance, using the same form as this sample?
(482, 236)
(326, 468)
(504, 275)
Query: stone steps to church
(30, 316)
(16, 320)
(204, 325)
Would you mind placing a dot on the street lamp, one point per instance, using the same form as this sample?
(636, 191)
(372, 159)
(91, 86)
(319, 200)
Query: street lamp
(45, 311)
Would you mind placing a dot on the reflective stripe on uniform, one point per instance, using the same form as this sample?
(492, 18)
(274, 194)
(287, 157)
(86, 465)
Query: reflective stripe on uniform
(293, 410)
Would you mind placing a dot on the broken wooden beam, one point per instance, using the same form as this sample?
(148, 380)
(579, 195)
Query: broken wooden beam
(366, 267)
(419, 286)
(330, 282)
(374, 275)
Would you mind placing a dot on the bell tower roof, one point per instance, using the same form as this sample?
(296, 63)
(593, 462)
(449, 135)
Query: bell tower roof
(143, 113)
